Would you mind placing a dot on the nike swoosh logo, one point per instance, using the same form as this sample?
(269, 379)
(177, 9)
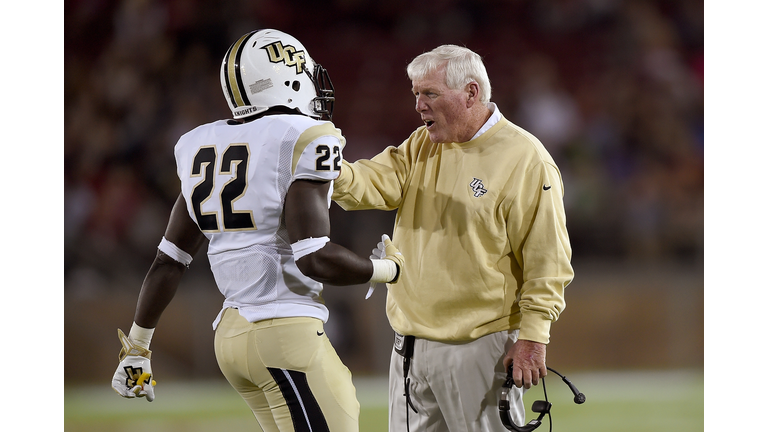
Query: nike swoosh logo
(547, 187)
(320, 333)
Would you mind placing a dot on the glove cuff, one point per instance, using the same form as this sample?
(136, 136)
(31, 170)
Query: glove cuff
(130, 348)
(141, 336)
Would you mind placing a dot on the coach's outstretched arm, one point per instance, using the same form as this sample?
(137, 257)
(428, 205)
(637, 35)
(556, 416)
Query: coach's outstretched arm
(182, 239)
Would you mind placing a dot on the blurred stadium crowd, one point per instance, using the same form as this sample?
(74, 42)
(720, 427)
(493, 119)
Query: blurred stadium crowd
(613, 88)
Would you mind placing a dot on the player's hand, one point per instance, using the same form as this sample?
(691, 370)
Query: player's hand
(133, 377)
(388, 251)
(389, 273)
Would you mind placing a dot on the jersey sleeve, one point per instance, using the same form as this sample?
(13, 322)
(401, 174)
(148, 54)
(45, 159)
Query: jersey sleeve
(317, 154)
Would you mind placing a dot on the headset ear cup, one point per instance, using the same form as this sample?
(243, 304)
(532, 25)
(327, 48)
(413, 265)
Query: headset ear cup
(541, 406)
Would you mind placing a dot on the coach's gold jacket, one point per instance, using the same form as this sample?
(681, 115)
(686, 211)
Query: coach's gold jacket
(481, 226)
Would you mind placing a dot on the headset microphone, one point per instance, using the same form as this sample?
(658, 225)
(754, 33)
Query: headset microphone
(541, 407)
(578, 396)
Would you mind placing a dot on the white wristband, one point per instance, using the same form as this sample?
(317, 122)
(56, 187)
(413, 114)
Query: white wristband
(384, 270)
(142, 336)
(174, 252)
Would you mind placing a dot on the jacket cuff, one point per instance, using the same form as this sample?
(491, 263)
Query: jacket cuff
(535, 327)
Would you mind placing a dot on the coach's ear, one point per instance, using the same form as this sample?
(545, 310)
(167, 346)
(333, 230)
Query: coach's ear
(472, 91)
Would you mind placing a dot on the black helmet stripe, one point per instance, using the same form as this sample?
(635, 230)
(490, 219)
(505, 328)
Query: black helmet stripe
(225, 70)
(233, 78)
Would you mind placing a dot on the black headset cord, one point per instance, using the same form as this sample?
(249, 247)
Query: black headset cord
(549, 413)
(407, 394)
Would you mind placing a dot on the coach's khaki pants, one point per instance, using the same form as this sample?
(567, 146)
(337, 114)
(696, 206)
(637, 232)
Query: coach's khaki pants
(454, 387)
(288, 373)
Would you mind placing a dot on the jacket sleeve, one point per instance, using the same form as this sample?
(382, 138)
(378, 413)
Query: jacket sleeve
(543, 249)
(373, 184)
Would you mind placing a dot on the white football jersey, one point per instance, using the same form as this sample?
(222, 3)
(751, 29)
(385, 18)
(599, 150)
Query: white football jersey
(234, 178)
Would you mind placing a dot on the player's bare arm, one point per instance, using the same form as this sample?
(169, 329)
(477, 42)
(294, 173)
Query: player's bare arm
(306, 216)
(164, 275)
(133, 377)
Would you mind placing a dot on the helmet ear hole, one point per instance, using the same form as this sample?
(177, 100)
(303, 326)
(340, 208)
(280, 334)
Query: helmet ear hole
(295, 85)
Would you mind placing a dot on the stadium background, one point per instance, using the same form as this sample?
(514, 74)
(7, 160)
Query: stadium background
(613, 88)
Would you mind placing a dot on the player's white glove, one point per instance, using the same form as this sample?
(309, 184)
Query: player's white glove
(133, 377)
(385, 271)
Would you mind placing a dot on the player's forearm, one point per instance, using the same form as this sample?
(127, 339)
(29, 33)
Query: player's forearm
(336, 265)
(158, 290)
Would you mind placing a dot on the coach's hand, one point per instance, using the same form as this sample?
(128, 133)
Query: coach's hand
(133, 377)
(529, 362)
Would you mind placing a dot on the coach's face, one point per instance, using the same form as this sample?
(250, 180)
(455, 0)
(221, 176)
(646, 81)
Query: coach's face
(445, 112)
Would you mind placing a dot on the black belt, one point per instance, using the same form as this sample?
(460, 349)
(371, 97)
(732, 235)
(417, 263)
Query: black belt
(404, 347)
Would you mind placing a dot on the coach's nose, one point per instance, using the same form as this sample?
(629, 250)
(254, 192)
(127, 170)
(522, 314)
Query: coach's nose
(421, 104)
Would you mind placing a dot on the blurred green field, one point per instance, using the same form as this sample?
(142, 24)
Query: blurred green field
(660, 401)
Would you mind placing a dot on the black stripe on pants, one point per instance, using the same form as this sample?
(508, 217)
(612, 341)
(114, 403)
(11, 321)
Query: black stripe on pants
(305, 411)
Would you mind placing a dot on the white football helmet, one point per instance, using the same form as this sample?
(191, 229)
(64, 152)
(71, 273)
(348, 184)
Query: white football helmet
(267, 68)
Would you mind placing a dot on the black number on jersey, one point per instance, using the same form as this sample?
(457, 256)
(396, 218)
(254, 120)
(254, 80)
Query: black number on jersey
(325, 152)
(204, 164)
(205, 161)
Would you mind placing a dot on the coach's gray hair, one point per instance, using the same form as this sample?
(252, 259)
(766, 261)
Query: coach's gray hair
(462, 66)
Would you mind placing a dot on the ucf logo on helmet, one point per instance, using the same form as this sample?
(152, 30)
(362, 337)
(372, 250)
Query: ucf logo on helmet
(286, 54)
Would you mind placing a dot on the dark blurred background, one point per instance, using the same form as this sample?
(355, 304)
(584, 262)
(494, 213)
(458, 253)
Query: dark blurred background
(613, 88)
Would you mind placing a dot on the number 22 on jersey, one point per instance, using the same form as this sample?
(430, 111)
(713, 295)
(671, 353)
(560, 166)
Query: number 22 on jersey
(236, 158)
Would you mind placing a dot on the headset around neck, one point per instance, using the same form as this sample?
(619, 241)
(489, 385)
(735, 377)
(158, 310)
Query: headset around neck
(540, 406)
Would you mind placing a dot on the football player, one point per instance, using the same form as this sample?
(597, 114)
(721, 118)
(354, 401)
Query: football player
(258, 188)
